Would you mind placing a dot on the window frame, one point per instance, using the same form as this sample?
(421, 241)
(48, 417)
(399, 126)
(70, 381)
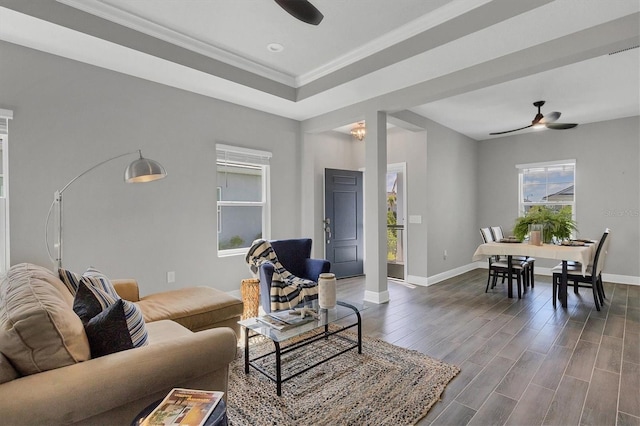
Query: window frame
(521, 171)
(234, 156)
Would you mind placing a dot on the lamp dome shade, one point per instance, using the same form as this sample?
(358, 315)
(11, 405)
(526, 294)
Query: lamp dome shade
(144, 170)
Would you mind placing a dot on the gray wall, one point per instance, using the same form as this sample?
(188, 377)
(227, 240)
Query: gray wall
(451, 193)
(327, 150)
(69, 116)
(607, 182)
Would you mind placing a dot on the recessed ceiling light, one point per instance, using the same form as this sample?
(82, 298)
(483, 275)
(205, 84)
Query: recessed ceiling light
(275, 47)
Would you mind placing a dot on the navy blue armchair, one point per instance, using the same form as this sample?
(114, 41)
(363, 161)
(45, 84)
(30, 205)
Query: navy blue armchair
(295, 257)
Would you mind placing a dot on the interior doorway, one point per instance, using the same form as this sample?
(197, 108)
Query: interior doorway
(396, 221)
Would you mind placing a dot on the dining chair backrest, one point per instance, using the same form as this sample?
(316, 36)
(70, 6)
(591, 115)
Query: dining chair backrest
(497, 233)
(601, 253)
(487, 237)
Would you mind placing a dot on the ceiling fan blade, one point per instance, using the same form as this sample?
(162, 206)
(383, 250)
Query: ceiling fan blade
(550, 118)
(302, 10)
(560, 126)
(514, 130)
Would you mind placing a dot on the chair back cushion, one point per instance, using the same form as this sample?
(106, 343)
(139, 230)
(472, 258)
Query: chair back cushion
(486, 234)
(497, 233)
(38, 329)
(292, 254)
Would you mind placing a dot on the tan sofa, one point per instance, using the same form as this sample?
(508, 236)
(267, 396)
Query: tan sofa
(48, 378)
(196, 308)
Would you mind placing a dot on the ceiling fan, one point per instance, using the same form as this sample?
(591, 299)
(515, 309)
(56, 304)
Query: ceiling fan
(302, 10)
(543, 121)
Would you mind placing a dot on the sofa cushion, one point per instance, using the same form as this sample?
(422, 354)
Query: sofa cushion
(7, 372)
(196, 308)
(91, 302)
(38, 329)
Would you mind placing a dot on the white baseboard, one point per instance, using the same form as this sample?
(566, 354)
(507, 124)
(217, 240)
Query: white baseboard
(427, 281)
(434, 279)
(376, 297)
(608, 278)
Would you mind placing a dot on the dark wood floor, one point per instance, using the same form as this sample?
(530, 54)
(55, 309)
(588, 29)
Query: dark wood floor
(522, 361)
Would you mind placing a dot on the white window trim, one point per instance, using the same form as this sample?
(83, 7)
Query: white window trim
(546, 164)
(5, 258)
(252, 157)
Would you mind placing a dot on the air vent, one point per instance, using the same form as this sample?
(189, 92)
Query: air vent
(624, 50)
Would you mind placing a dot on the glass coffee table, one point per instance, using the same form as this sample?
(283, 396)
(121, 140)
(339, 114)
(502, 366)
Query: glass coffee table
(314, 342)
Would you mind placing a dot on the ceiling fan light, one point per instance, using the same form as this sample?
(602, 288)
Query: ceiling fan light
(538, 126)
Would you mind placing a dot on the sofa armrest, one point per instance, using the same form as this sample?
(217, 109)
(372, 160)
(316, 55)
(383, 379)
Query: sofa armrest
(315, 267)
(127, 289)
(122, 383)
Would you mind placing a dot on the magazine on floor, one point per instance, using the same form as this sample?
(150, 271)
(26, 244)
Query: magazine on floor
(184, 407)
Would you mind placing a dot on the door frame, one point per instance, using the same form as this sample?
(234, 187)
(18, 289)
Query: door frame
(400, 167)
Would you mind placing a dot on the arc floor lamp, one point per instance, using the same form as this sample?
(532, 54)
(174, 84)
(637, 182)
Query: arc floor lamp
(141, 170)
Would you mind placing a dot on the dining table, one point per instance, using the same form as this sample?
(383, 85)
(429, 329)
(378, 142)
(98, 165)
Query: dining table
(581, 252)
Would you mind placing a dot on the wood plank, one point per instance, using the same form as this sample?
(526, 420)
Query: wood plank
(495, 411)
(614, 327)
(600, 407)
(550, 372)
(593, 329)
(454, 414)
(610, 354)
(491, 348)
(566, 407)
(514, 349)
(532, 407)
(517, 379)
(482, 386)
(582, 361)
(629, 397)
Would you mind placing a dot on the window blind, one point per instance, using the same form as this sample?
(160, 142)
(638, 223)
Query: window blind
(235, 154)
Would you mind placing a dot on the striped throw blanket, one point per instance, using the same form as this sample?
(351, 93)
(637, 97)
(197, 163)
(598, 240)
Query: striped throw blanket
(287, 290)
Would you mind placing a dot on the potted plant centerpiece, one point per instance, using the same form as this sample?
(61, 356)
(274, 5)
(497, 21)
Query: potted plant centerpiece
(557, 225)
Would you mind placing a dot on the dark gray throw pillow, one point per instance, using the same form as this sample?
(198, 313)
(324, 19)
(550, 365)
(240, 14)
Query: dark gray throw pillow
(108, 332)
(85, 303)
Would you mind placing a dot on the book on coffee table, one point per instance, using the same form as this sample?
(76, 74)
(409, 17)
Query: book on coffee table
(284, 320)
(184, 407)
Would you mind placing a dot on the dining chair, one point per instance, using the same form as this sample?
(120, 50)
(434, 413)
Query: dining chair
(498, 235)
(499, 268)
(593, 277)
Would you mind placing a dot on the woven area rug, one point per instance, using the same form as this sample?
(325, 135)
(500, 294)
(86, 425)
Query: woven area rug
(385, 385)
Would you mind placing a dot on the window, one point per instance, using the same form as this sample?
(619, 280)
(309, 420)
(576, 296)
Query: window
(5, 116)
(547, 184)
(242, 198)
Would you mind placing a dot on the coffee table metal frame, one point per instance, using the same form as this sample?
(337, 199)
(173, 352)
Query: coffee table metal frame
(278, 337)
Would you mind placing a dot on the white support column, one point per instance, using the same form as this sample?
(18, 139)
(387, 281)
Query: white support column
(308, 206)
(375, 212)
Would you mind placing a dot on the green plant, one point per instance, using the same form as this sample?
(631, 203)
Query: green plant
(558, 224)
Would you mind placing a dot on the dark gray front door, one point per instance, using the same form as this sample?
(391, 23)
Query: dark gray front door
(344, 230)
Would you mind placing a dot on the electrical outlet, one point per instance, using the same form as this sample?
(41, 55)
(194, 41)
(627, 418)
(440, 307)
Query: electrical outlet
(171, 277)
(444, 254)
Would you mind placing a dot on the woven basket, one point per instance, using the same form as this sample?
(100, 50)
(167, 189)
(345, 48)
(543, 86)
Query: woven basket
(250, 289)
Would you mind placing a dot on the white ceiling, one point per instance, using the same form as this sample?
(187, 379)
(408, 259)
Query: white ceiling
(475, 66)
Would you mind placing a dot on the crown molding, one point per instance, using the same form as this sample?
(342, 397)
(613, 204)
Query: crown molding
(415, 27)
(146, 26)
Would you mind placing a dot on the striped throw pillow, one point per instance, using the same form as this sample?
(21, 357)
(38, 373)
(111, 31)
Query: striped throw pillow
(97, 278)
(91, 301)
